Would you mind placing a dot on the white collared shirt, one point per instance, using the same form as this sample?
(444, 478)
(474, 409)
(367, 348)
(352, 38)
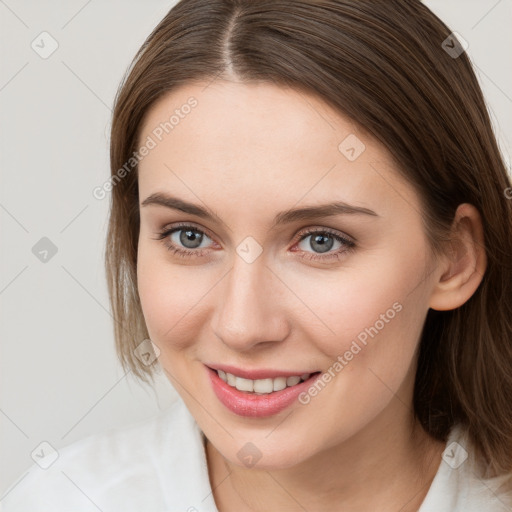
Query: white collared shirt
(159, 465)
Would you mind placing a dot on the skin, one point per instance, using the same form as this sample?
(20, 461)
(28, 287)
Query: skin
(247, 152)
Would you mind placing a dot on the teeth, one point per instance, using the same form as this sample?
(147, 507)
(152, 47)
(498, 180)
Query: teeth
(291, 381)
(279, 383)
(244, 384)
(230, 379)
(261, 386)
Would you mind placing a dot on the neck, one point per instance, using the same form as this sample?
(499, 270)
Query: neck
(387, 466)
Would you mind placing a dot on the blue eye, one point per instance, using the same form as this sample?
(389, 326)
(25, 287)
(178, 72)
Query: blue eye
(186, 243)
(322, 241)
(186, 240)
(190, 238)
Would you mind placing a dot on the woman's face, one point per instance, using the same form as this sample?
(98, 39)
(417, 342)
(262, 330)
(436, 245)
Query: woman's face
(256, 288)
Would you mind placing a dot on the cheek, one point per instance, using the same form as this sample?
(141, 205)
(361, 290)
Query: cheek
(377, 315)
(372, 313)
(170, 295)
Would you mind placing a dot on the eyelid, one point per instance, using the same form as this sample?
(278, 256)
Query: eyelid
(302, 233)
(347, 242)
(323, 229)
(183, 225)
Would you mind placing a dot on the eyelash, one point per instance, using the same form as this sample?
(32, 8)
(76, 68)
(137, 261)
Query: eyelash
(349, 245)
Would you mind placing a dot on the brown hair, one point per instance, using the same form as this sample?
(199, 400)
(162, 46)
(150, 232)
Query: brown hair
(385, 66)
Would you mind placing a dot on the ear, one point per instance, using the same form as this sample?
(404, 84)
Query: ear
(463, 265)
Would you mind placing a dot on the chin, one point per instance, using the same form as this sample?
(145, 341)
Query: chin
(253, 455)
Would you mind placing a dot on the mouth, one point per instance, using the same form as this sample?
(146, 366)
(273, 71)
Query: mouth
(258, 398)
(262, 386)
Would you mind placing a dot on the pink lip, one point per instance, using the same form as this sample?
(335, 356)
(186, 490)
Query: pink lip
(257, 374)
(257, 406)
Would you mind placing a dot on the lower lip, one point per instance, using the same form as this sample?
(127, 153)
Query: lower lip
(257, 406)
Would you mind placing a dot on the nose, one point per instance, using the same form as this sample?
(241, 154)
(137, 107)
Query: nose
(250, 309)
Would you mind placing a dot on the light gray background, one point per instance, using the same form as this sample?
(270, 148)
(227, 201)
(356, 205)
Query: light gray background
(60, 380)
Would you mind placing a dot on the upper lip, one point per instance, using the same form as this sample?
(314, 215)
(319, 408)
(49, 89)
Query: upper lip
(256, 374)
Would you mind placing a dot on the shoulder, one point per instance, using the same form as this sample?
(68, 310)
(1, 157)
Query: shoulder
(459, 485)
(139, 467)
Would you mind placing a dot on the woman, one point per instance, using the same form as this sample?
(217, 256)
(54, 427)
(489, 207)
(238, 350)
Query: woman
(310, 234)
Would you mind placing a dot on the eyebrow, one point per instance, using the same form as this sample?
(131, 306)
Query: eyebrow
(284, 217)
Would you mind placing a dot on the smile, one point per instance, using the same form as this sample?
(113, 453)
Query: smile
(261, 386)
(258, 398)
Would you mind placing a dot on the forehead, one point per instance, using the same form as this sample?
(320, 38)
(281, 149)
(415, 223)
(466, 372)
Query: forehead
(267, 144)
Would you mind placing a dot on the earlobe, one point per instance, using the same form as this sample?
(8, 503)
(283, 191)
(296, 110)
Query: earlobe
(463, 266)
